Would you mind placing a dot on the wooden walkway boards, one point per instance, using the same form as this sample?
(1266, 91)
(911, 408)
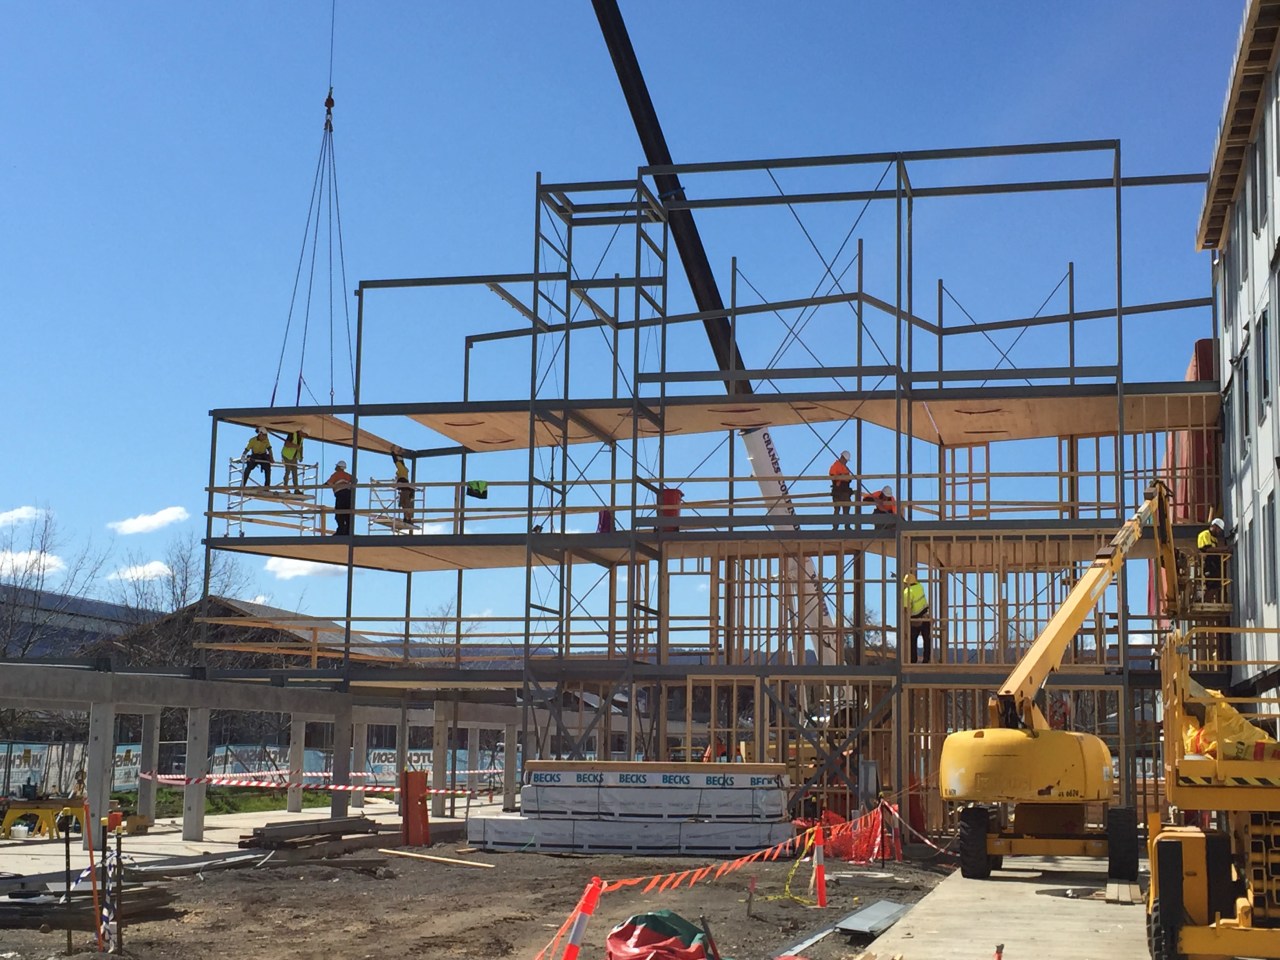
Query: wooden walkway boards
(1050, 909)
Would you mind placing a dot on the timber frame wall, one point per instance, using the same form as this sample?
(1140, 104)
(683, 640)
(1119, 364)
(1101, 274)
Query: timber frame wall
(669, 631)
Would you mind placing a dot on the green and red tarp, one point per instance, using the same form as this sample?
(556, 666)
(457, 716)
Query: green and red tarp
(660, 935)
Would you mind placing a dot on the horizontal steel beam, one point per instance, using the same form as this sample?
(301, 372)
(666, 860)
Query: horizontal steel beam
(1129, 310)
(463, 281)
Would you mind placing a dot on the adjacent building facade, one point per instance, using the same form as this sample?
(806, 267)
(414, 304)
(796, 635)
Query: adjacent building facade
(1239, 222)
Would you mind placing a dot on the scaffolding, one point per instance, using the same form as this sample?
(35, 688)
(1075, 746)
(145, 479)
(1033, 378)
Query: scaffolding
(672, 607)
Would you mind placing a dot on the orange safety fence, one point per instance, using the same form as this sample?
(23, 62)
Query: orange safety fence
(858, 841)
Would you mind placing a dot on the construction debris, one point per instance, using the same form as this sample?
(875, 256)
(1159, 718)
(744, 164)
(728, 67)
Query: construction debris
(28, 910)
(295, 834)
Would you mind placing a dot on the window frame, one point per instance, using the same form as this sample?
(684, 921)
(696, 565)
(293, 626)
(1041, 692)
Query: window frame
(1262, 335)
(1270, 562)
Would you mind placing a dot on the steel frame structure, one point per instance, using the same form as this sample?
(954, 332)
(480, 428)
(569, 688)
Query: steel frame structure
(994, 564)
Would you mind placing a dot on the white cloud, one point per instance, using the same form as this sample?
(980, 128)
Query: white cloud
(154, 570)
(15, 564)
(149, 522)
(260, 598)
(20, 515)
(286, 569)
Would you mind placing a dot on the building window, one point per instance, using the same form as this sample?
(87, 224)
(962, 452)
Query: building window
(1242, 225)
(1227, 277)
(1263, 354)
(1252, 187)
(1242, 371)
(1247, 586)
(1262, 175)
(1269, 558)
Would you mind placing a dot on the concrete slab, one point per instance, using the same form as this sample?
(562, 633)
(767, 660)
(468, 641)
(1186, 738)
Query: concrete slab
(1050, 909)
(164, 840)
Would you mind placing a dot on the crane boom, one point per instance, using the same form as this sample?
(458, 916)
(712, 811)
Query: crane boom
(812, 607)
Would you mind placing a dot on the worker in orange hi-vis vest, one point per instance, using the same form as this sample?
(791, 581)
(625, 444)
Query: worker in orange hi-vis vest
(343, 486)
(883, 499)
(841, 488)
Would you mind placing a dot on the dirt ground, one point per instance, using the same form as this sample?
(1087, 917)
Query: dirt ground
(400, 907)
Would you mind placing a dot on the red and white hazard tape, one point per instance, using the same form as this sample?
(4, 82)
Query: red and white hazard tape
(179, 781)
(259, 774)
(354, 773)
(917, 834)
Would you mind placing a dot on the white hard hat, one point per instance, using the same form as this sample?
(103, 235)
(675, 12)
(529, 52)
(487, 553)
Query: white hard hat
(1218, 522)
(341, 464)
(844, 454)
(887, 491)
(262, 430)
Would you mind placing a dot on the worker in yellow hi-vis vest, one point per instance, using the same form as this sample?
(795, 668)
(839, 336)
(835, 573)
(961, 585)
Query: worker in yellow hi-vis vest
(291, 454)
(257, 453)
(1211, 547)
(916, 605)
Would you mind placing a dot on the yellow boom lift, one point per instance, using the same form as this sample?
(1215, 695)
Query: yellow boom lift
(1215, 877)
(1026, 786)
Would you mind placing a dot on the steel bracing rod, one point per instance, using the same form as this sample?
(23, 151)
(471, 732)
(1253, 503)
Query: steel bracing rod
(688, 242)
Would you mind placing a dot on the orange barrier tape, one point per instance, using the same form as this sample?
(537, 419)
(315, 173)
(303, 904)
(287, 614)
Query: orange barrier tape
(672, 881)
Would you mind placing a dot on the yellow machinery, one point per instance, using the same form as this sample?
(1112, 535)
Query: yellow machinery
(1215, 877)
(1026, 786)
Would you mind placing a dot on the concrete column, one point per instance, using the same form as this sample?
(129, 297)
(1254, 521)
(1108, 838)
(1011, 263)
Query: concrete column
(197, 766)
(402, 741)
(439, 760)
(359, 758)
(297, 759)
(100, 766)
(402, 752)
(509, 774)
(341, 760)
(149, 762)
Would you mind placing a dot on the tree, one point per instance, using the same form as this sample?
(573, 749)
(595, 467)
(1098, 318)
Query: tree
(150, 589)
(42, 582)
(434, 634)
(37, 620)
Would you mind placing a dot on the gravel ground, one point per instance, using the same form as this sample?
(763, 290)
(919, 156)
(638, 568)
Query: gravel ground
(414, 908)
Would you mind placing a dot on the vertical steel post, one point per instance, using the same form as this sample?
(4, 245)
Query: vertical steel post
(1071, 318)
(355, 480)
(859, 556)
(526, 687)
(1127, 730)
(202, 656)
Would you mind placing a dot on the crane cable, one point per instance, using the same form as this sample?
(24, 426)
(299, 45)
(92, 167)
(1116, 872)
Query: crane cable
(324, 191)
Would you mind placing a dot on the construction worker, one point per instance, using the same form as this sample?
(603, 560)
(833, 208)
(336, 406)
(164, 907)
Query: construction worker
(404, 488)
(841, 488)
(1210, 546)
(883, 499)
(291, 455)
(257, 452)
(916, 605)
(343, 486)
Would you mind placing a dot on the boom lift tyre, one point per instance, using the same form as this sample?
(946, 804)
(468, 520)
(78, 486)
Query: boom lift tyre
(975, 863)
(1159, 943)
(1122, 843)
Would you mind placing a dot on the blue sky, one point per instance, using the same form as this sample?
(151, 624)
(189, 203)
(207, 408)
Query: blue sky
(158, 160)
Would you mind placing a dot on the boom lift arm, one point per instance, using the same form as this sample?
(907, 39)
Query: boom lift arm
(1014, 705)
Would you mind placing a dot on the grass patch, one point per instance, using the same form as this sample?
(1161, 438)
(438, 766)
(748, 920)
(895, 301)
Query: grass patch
(223, 800)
